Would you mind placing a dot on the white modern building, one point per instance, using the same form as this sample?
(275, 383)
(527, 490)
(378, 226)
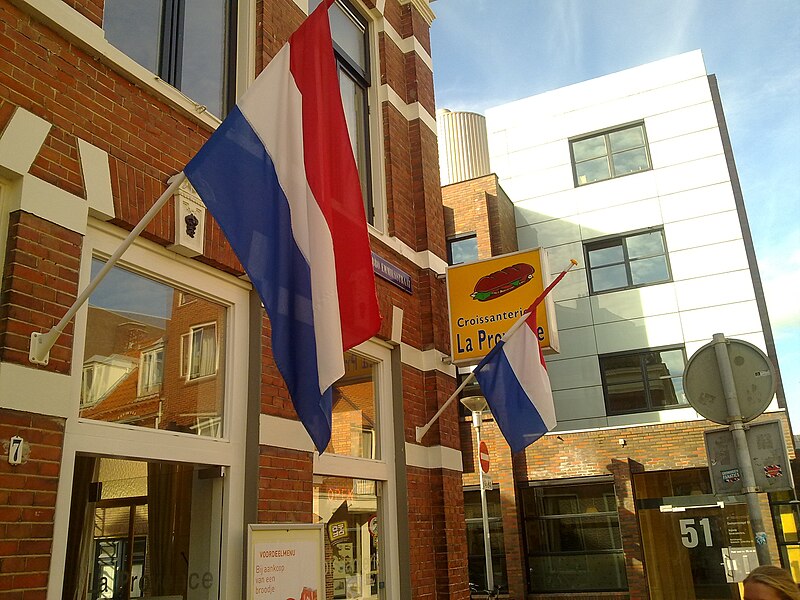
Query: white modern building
(633, 175)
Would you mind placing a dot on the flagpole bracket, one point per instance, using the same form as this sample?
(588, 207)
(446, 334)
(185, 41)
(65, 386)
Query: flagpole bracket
(41, 344)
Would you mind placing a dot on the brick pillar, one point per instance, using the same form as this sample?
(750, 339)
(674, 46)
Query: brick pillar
(629, 529)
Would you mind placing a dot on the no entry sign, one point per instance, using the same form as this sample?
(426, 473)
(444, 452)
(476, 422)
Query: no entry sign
(484, 457)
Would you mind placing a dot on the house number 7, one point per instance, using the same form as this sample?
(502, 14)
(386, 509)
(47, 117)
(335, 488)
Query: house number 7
(15, 450)
(690, 536)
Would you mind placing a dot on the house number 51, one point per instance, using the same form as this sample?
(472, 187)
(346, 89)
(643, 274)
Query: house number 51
(690, 537)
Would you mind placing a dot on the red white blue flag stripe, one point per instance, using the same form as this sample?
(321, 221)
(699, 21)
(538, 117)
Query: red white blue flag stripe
(279, 177)
(513, 379)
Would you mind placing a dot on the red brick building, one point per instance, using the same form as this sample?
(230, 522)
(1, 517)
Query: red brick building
(159, 429)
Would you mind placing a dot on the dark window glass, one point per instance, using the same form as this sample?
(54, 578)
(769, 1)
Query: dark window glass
(187, 43)
(572, 538)
(643, 380)
(462, 249)
(627, 261)
(476, 556)
(610, 154)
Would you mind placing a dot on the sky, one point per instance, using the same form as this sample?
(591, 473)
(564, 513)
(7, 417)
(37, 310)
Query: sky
(489, 52)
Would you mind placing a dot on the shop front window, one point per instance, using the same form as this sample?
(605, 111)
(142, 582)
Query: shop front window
(572, 538)
(143, 529)
(151, 359)
(786, 519)
(349, 509)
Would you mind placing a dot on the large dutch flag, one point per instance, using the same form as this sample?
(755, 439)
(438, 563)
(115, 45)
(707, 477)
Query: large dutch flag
(513, 379)
(279, 177)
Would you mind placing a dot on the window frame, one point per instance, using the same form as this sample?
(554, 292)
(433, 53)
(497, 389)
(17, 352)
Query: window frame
(529, 487)
(115, 440)
(187, 351)
(478, 523)
(606, 241)
(170, 47)
(605, 133)
(461, 237)
(141, 389)
(642, 353)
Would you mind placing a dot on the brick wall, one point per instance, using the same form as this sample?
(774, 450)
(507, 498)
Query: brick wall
(40, 283)
(27, 503)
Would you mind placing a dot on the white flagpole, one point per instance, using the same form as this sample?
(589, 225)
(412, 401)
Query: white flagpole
(41, 343)
(421, 431)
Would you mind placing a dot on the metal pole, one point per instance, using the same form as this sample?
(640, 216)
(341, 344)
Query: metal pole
(477, 418)
(742, 451)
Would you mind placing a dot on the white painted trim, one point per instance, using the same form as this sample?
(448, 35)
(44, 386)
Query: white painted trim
(283, 433)
(407, 45)
(20, 144)
(424, 259)
(433, 457)
(397, 324)
(411, 112)
(114, 439)
(426, 360)
(34, 390)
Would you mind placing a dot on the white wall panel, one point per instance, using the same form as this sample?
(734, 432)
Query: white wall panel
(757, 339)
(680, 122)
(579, 403)
(619, 336)
(574, 373)
(673, 415)
(544, 208)
(692, 146)
(629, 217)
(558, 257)
(704, 292)
(697, 202)
(579, 424)
(686, 176)
(572, 313)
(703, 231)
(539, 183)
(537, 158)
(548, 233)
(731, 319)
(613, 192)
(708, 260)
(634, 304)
(574, 343)
(574, 285)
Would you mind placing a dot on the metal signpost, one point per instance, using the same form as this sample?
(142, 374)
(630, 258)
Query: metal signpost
(732, 382)
(477, 404)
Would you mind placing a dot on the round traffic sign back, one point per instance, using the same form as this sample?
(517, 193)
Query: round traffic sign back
(753, 376)
(484, 457)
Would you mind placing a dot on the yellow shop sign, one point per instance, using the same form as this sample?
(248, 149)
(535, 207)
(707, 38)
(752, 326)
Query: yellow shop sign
(486, 297)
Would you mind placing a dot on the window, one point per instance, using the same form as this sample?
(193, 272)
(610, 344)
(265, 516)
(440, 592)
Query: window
(151, 371)
(201, 351)
(189, 44)
(643, 380)
(132, 355)
(572, 538)
(610, 154)
(476, 557)
(355, 410)
(628, 261)
(351, 46)
(462, 249)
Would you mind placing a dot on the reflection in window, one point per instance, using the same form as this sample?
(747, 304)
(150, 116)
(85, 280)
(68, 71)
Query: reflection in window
(627, 261)
(185, 42)
(476, 557)
(354, 421)
(610, 154)
(572, 538)
(141, 529)
(643, 380)
(151, 371)
(349, 509)
(150, 359)
(462, 249)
